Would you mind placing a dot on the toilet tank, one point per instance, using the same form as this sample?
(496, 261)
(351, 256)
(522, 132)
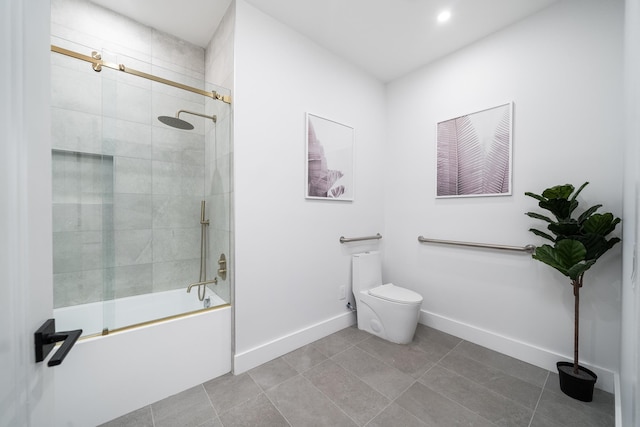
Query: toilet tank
(366, 271)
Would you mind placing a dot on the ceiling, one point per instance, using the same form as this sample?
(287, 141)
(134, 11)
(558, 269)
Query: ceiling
(386, 38)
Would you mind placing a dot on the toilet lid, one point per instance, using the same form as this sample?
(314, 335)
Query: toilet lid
(390, 292)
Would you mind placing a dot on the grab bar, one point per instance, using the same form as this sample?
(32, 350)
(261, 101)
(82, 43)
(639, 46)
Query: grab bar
(198, 284)
(357, 239)
(528, 248)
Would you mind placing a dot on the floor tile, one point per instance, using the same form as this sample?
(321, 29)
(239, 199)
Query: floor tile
(353, 335)
(395, 415)
(434, 343)
(139, 418)
(304, 405)
(434, 409)
(512, 366)
(569, 412)
(405, 358)
(304, 358)
(353, 378)
(496, 380)
(350, 394)
(231, 390)
(332, 345)
(258, 411)
(488, 404)
(189, 408)
(383, 378)
(272, 373)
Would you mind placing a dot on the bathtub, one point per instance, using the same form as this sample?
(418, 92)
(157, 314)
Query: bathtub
(104, 377)
(128, 311)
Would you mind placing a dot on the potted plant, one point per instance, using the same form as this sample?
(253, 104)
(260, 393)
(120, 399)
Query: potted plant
(577, 243)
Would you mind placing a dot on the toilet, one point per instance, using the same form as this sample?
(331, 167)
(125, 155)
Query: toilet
(385, 310)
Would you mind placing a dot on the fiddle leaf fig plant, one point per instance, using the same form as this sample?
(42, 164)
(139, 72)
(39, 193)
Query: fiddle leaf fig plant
(576, 241)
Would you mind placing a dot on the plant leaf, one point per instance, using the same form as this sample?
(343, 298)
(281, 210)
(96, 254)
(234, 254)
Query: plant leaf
(470, 158)
(575, 196)
(538, 216)
(542, 234)
(558, 192)
(564, 228)
(586, 214)
(579, 269)
(602, 224)
(496, 170)
(570, 252)
(561, 208)
(534, 195)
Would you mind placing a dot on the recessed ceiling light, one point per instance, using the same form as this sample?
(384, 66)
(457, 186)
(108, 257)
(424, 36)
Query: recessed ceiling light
(444, 16)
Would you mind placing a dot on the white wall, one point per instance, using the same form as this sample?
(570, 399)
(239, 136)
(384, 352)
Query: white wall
(629, 362)
(562, 68)
(26, 387)
(289, 262)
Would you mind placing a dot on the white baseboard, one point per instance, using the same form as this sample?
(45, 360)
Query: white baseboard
(526, 352)
(256, 356)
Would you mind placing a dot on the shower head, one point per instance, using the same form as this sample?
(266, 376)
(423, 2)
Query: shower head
(177, 122)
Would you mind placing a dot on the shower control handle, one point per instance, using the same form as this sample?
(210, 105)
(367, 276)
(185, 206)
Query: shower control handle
(222, 263)
(46, 338)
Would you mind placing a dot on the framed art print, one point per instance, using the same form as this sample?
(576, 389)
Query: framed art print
(330, 159)
(474, 154)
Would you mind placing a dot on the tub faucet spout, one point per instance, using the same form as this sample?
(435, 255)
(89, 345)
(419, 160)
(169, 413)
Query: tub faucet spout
(198, 284)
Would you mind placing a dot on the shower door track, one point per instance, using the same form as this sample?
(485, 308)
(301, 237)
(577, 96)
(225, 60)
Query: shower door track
(97, 64)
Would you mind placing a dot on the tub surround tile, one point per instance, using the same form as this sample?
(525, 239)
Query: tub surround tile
(132, 211)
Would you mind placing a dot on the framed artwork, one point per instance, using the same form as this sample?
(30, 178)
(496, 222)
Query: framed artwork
(474, 154)
(330, 159)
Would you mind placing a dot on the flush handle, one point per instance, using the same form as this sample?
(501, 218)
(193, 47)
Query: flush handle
(46, 338)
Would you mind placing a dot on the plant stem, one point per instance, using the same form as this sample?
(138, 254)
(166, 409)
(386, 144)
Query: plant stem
(577, 284)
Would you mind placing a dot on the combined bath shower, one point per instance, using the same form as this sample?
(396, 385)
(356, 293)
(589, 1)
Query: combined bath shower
(178, 123)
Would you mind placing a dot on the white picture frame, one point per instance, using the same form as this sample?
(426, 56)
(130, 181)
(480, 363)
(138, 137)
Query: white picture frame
(330, 159)
(474, 154)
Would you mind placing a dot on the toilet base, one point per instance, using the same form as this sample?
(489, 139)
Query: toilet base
(402, 321)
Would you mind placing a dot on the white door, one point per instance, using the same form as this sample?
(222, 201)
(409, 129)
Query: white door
(26, 387)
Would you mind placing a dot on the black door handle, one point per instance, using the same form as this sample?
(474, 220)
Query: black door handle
(46, 338)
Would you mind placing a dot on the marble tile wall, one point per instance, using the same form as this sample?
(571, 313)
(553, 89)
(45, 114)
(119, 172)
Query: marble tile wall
(127, 189)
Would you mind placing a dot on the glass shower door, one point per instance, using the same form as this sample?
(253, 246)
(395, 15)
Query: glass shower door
(136, 187)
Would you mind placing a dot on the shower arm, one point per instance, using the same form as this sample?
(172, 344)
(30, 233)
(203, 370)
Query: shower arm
(213, 118)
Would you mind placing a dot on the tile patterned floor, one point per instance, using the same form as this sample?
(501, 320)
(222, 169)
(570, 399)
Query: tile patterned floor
(352, 378)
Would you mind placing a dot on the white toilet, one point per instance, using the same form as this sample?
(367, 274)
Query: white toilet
(388, 311)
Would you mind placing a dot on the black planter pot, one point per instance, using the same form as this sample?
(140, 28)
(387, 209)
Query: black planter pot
(577, 386)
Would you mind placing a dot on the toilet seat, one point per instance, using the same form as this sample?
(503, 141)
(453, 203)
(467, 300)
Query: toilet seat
(393, 293)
